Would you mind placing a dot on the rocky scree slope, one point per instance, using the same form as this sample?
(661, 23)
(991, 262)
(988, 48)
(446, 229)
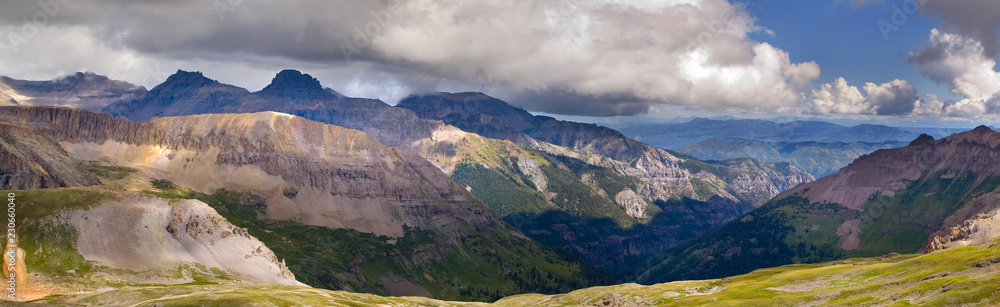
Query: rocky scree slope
(102, 237)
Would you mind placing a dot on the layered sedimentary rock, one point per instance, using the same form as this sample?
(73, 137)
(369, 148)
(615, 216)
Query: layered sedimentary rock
(343, 177)
(31, 160)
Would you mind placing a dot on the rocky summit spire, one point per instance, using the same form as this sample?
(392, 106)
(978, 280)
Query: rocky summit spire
(295, 85)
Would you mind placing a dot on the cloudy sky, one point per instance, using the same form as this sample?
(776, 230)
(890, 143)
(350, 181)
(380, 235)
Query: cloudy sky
(894, 61)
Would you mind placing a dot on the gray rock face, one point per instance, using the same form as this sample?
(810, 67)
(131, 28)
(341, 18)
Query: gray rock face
(31, 160)
(81, 90)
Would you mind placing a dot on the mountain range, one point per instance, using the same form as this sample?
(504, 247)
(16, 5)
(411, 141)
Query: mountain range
(678, 135)
(819, 159)
(594, 193)
(81, 90)
(215, 192)
(341, 209)
(581, 187)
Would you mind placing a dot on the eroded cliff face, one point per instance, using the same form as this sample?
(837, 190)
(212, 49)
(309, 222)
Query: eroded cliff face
(152, 235)
(31, 160)
(339, 177)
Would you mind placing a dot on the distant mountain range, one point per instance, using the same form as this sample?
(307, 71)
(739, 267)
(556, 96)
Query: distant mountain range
(81, 90)
(929, 195)
(819, 159)
(676, 136)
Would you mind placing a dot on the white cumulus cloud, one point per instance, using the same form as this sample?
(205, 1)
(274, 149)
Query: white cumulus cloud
(960, 62)
(896, 97)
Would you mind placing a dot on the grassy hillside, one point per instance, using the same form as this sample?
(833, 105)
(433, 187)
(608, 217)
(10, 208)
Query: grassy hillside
(952, 277)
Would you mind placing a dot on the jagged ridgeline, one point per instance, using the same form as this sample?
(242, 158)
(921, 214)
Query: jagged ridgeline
(929, 195)
(339, 208)
(580, 187)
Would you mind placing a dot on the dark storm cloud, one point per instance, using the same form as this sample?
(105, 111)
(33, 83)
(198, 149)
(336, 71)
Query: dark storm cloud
(976, 18)
(617, 56)
(973, 18)
(568, 103)
(302, 30)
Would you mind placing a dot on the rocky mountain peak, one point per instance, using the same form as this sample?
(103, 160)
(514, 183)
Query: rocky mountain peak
(982, 129)
(82, 76)
(294, 84)
(922, 139)
(188, 78)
